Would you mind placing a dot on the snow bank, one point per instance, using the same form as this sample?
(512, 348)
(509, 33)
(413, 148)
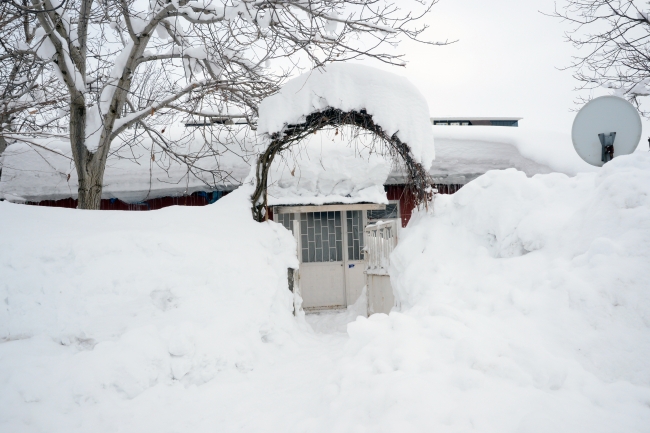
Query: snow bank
(525, 308)
(99, 307)
(393, 102)
(327, 168)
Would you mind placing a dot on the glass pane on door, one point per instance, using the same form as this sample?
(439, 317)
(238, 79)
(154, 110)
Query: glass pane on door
(355, 234)
(286, 220)
(321, 236)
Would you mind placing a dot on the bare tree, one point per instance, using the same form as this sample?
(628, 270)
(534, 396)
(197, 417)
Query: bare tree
(613, 42)
(128, 68)
(28, 94)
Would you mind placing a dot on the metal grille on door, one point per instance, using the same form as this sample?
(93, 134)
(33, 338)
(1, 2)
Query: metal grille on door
(321, 237)
(355, 234)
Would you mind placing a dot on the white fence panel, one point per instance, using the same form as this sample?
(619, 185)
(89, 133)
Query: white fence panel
(381, 239)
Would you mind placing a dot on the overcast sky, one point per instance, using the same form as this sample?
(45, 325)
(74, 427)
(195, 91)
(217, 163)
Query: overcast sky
(505, 63)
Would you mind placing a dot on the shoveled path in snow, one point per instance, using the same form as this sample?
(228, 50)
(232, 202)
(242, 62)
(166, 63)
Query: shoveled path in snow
(294, 392)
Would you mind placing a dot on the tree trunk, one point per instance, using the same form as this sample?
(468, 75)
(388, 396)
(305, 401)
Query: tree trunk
(3, 147)
(90, 189)
(90, 170)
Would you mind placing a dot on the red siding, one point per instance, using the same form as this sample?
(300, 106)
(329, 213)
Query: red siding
(407, 199)
(196, 199)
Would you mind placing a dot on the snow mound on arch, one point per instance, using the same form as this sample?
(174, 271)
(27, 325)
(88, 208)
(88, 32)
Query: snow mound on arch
(525, 307)
(329, 168)
(392, 100)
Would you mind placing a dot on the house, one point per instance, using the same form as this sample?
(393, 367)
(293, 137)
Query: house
(329, 194)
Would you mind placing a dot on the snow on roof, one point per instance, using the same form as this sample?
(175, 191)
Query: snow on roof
(325, 172)
(463, 155)
(392, 100)
(531, 151)
(35, 173)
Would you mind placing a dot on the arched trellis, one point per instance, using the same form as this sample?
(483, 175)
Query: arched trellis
(419, 181)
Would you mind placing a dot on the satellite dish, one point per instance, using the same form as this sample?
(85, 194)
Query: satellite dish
(604, 128)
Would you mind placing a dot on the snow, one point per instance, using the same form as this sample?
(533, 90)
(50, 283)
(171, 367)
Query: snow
(466, 152)
(327, 168)
(108, 313)
(527, 300)
(38, 174)
(336, 321)
(325, 171)
(392, 100)
(524, 308)
(45, 49)
(545, 148)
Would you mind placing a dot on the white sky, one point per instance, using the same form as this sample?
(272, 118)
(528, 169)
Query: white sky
(505, 63)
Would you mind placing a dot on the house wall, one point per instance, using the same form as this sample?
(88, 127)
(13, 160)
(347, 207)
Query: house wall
(393, 192)
(406, 198)
(195, 199)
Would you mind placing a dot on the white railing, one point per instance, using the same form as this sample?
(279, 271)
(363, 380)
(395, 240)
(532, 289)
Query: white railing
(381, 239)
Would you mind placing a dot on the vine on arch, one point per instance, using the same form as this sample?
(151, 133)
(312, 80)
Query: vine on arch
(419, 181)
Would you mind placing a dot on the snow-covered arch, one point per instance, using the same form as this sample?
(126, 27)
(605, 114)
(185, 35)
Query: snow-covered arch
(344, 94)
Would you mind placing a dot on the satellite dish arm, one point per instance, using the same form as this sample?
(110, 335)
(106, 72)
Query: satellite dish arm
(607, 143)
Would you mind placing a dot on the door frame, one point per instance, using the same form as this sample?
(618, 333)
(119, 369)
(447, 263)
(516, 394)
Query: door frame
(343, 208)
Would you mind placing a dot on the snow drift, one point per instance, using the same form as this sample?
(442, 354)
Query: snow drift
(525, 307)
(97, 307)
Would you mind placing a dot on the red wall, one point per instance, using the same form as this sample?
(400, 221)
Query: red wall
(196, 199)
(407, 199)
(393, 192)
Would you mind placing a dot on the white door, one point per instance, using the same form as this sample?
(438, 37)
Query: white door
(354, 263)
(322, 273)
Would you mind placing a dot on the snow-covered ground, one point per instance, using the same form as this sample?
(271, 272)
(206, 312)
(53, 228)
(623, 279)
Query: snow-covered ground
(525, 307)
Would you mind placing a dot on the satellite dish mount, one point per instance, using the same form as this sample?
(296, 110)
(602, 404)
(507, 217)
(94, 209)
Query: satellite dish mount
(607, 142)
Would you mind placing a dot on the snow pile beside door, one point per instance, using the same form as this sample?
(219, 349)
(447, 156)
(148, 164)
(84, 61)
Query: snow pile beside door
(525, 307)
(97, 307)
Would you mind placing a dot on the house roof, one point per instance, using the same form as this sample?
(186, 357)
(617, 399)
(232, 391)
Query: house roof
(318, 173)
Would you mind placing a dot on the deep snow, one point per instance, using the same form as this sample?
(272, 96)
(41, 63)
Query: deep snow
(525, 307)
(394, 103)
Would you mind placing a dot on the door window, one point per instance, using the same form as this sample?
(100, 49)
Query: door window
(321, 236)
(286, 220)
(391, 212)
(355, 234)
